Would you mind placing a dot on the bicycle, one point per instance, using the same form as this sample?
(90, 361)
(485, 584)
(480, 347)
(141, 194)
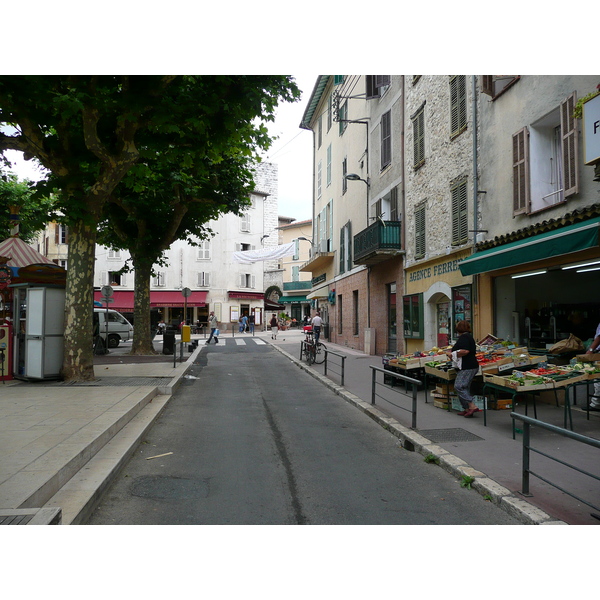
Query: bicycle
(314, 353)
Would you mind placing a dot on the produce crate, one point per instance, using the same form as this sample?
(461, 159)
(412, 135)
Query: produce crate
(449, 375)
(501, 404)
(440, 404)
(444, 388)
(440, 358)
(587, 357)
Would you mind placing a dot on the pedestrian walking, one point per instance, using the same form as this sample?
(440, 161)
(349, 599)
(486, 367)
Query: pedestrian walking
(213, 324)
(595, 347)
(316, 326)
(274, 323)
(251, 322)
(464, 358)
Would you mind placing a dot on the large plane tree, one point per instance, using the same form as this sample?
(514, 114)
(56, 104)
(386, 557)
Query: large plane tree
(90, 131)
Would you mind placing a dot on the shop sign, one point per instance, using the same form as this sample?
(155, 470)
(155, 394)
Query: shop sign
(435, 271)
(591, 131)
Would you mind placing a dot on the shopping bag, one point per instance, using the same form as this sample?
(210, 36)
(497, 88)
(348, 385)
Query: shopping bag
(217, 333)
(571, 344)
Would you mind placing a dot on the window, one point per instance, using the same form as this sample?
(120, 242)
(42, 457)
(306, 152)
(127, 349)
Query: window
(344, 173)
(413, 316)
(355, 313)
(114, 255)
(420, 247)
(458, 105)
(418, 122)
(461, 306)
(343, 117)
(61, 235)
(325, 228)
(320, 131)
(115, 278)
(247, 280)
(319, 178)
(394, 212)
(159, 280)
(346, 248)
(295, 273)
(460, 225)
(329, 112)
(329, 165)
(244, 247)
(545, 160)
(296, 255)
(203, 279)
(495, 85)
(245, 222)
(377, 85)
(386, 139)
(203, 250)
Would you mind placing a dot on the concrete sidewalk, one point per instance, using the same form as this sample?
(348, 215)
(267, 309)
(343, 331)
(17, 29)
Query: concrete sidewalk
(62, 444)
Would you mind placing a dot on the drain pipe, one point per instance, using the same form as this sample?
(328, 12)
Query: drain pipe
(475, 174)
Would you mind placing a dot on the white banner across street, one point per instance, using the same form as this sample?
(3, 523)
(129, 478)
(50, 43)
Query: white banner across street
(252, 256)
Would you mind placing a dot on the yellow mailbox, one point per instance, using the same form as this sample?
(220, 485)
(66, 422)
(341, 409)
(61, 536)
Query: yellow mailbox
(186, 333)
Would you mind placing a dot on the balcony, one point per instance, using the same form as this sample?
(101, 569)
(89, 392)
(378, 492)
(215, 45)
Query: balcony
(378, 242)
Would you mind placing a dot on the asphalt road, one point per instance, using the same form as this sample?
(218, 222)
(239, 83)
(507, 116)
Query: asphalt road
(252, 439)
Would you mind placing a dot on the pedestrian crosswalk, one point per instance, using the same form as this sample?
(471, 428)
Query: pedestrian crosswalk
(236, 341)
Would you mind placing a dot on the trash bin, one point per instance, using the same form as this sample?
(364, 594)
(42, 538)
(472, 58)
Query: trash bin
(168, 342)
(325, 330)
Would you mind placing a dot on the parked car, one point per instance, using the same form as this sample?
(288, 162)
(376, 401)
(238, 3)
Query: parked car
(119, 328)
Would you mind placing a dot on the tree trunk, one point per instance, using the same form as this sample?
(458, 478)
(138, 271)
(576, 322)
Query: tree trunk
(142, 336)
(78, 361)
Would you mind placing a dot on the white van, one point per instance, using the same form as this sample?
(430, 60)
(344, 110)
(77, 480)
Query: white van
(119, 328)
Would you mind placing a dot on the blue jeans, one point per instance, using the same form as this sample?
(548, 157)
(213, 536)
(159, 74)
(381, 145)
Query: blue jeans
(317, 332)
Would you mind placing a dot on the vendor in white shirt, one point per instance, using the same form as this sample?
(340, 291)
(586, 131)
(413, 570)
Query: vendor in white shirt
(593, 349)
(316, 325)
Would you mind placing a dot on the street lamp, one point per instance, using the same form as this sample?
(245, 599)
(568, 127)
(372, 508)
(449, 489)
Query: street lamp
(355, 177)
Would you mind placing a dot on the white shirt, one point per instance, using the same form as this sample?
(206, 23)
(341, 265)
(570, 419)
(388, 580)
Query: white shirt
(316, 321)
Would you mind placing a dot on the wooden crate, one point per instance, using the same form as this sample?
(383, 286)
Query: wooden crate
(449, 375)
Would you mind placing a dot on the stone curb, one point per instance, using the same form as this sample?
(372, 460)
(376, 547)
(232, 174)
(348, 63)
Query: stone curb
(411, 440)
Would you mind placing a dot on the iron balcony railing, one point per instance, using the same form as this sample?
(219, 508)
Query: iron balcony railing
(380, 238)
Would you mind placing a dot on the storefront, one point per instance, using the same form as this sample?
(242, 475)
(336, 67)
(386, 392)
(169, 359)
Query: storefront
(541, 288)
(437, 296)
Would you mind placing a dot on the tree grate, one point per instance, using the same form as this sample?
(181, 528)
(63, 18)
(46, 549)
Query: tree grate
(450, 435)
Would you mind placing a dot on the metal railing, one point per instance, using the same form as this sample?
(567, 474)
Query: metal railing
(415, 388)
(528, 448)
(327, 366)
(380, 235)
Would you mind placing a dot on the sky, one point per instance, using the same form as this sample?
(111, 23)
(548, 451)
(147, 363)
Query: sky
(291, 152)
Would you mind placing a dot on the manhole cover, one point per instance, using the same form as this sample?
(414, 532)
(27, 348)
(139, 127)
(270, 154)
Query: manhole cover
(449, 435)
(169, 488)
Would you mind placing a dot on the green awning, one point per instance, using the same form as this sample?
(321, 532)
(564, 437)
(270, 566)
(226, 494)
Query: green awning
(288, 299)
(565, 240)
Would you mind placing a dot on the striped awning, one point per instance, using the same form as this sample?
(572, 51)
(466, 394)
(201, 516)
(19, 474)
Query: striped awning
(20, 254)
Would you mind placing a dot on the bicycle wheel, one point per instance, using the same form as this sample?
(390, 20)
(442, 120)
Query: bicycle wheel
(310, 354)
(320, 353)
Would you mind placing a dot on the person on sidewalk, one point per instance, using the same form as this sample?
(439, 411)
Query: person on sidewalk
(213, 324)
(464, 357)
(593, 349)
(316, 325)
(274, 326)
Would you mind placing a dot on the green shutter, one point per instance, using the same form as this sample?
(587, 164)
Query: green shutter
(460, 225)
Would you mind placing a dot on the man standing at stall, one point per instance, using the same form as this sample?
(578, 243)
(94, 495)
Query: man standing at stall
(595, 347)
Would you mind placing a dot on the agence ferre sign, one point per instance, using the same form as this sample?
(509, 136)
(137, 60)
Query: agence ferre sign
(591, 131)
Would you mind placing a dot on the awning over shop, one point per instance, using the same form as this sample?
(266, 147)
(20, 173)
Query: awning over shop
(123, 300)
(175, 299)
(246, 295)
(290, 299)
(565, 240)
(321, 292)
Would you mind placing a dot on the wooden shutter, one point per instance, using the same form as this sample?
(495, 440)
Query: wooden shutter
(343, 250)
(419, 139)
(349, 245)
(394, 204)
(57, 233)
(460, 227)
(386, 139)
(458, 104)
(487, 84)
(521, 192)
(420, 232)
(570, 146)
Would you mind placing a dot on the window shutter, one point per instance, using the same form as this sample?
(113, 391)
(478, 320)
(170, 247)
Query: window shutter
(330, 219)
(459, 213)
(338, 79)
(386, 139)
(57, 233)
(206, 279)
(570, 145)
(458, 104)
(420, 232)
(123, 279)
(419, 138)
(382, 81)
(104, 277)
(372, 91)
(349, 245)
(200, 279)
(342, 250)
(242, 280)
(394, 204)
(238, 247)
(253, 281)
(487, 84)
(521, 198)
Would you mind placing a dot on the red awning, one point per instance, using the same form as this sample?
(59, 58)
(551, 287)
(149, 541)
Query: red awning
(123, 300)
(247, 295)
(176, 299)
